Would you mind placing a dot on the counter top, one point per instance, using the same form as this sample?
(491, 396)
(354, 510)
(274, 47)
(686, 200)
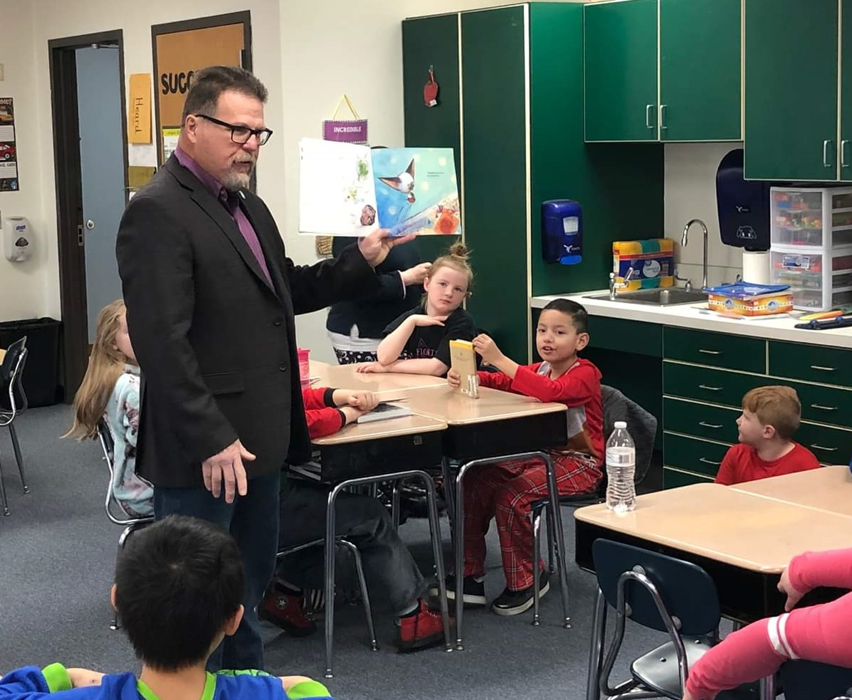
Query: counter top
(697, 316)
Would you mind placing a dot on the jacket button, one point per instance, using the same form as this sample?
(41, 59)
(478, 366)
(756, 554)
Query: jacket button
(282, 368)
(276, 322)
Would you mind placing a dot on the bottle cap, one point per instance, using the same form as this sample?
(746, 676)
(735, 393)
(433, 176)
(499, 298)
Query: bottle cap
(620, 424)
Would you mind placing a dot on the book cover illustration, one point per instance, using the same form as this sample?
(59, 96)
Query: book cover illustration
(351, 190)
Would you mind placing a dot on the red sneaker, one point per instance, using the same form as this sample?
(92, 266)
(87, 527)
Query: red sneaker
(419, 631)
(285, 610)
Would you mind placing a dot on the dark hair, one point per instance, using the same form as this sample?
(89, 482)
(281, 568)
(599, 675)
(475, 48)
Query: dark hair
(209, 83)
(576, 312)
(177, 584)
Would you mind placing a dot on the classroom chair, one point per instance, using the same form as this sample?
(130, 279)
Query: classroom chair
(643, 429)
(658, 592)
(809, 680)
(113, 510)
(13, 402)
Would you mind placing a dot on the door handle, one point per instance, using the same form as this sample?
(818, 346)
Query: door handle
(709, 461)
(710, 425)
(663, 126)
(710, 388)
(710, 352)
(823, 408)
(648, 110)
(822, 369)
(844, 148)
(825, 153)
(825, 449)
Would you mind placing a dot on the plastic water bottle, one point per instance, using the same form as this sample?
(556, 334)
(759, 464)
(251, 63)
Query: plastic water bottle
(620, 470)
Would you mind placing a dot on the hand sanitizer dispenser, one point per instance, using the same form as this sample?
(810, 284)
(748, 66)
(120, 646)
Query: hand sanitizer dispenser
(561, 231)
(17, 245)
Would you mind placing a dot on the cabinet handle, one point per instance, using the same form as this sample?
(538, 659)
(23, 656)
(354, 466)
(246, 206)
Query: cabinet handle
(710, 461)
(710, 388)
(709, 425)
(663, 126)
(822, 369)
(710, 352)
(844, 147)
(826, 449)
(648, 110)
(823, 408)
(825, 153)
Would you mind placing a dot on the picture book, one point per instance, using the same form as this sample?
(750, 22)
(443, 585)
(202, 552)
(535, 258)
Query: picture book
(463, 361)
(351, 190)
(384, 411)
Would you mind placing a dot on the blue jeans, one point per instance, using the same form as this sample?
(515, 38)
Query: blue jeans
(253, 521)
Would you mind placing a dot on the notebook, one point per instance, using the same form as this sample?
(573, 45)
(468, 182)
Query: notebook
(384, 411)
(463, 359)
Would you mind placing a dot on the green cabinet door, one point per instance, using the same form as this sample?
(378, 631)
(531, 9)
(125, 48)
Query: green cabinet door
(620, 49)
(432, 42)
(791, 90)
(494, 109)
(846, 90)
(700, 70)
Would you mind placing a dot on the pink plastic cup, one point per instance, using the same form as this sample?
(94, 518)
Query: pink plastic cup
(304, 366)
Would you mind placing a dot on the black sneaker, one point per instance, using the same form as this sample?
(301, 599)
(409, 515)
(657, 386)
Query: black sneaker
(516, 602)
(473, 590)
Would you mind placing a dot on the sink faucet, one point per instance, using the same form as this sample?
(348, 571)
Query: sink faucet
(615, 286)
(683, 242)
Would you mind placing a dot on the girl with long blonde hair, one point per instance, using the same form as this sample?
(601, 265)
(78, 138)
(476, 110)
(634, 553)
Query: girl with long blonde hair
(110, 391)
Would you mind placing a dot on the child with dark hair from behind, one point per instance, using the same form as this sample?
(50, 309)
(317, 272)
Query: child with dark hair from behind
(506, 490)
(770, 417)
(178, 591)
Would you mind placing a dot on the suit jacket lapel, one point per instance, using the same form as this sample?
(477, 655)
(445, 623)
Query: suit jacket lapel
(270, 250)
(217, 212)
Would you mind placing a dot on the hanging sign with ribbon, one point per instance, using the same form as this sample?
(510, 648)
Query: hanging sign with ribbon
(345, 130)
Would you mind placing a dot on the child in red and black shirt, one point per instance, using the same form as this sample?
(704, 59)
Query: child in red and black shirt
(770, 416)
(505, 491)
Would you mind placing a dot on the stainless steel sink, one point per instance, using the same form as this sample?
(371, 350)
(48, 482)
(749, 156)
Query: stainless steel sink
(655, 297)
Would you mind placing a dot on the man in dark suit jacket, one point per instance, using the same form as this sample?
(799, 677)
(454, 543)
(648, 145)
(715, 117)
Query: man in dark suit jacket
(211, 298)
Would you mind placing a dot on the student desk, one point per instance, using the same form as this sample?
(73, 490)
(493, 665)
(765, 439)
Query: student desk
(383, 446)
(2, 354)
(347, 377)
(828, 489)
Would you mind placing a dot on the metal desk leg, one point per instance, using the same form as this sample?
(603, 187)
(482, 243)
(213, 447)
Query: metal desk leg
(458, 545)
(329, 577)
(449, 489)
(560, 535)
(536, 557)
(767, 688)
(437, 553)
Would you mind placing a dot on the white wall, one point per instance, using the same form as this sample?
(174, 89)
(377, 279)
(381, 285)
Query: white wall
(691, 193)
(23, 286)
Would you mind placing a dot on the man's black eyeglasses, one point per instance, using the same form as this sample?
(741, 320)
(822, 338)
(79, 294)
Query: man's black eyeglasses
(240, 134)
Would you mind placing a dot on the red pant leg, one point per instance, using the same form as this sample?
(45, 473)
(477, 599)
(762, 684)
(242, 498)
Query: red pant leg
(512, 509)
(481, 485)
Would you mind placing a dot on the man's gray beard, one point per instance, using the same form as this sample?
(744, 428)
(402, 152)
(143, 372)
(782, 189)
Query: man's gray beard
(233, 182)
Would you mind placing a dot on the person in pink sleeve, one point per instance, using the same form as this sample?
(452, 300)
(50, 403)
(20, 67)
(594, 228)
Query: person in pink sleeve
(506, 490)
(818, 633)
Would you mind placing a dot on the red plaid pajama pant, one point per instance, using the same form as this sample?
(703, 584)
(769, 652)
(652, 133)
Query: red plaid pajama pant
(505, 492)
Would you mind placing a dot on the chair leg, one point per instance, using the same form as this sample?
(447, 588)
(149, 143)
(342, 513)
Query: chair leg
(552, 555)
(536, 516)
(395, 506)
(596, 648)
(365, 596)
(17, 447)
(3, 502)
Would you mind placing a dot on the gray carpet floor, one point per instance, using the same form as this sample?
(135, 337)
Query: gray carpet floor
(57, 553)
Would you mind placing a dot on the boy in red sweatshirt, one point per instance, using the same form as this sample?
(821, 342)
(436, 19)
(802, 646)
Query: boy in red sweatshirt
(363, 520)
(818, 633)
(770, 416)
(505, 491)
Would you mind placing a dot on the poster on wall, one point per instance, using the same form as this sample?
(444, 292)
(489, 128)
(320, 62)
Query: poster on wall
(8, 149)
(182, 48)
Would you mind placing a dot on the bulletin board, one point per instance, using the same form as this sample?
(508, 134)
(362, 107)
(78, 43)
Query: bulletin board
(180, 49)
(8, 146)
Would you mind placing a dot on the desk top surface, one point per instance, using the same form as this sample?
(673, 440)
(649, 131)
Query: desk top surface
(450, 405)
(346, 377)
(725, 524)
(828, 489)
(2, 354)
(380, 429)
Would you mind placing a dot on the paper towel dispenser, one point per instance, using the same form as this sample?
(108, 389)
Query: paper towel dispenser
(743, 205)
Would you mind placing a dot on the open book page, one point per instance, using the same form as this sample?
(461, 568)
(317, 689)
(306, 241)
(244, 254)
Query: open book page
(384, 411)
(337, 192)
(417, 191)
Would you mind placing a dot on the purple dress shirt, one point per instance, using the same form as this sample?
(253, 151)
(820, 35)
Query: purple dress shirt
(232, 205)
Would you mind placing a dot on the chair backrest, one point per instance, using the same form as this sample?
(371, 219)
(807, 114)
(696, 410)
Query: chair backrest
(110, 504)
(809, 680)
(687, 591)
(641, 424)
(12, 395)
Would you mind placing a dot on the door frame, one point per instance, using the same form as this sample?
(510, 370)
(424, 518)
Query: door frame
(74, 343)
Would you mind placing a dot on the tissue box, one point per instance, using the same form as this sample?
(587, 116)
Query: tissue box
(745, 299)
(652, 262)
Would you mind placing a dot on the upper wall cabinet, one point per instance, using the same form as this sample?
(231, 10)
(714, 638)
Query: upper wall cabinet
(697, 55)
(791, 66)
